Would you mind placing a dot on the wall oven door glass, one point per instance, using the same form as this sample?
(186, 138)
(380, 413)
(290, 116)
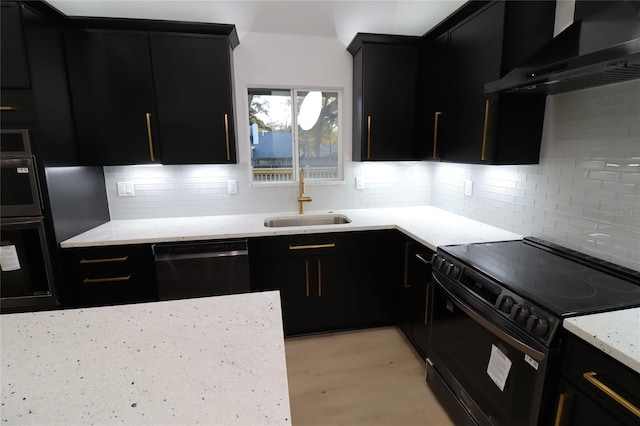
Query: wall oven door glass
(26, 274)
(497, 375)
(19, 187)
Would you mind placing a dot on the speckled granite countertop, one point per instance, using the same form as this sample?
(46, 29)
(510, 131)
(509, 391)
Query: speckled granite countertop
(615, 333)
(215, 361)
(431, 226)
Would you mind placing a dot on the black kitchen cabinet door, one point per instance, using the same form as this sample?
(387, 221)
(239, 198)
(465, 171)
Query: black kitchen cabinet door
(384, 89)
(112, 95)
(14, 68)
(318, 277)
(433, 86)
(474, 57)
(193, 91)
(381, 269)
(479, 128)
(413, 294)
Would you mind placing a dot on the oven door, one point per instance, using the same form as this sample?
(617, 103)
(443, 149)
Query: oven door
(494, 375)
(19, 193)
(24, 264)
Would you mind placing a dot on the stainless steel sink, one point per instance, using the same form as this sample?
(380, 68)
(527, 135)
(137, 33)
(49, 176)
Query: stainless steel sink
(311, 220)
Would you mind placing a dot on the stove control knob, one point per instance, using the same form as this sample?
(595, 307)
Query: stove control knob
(437, 261)
(454, 271)
(505, 303)
(520, 313)
(538, 326)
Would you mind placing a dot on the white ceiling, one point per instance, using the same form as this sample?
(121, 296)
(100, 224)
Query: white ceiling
(339, 19)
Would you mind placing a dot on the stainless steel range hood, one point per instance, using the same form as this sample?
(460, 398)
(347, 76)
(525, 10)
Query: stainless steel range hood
(601, 49)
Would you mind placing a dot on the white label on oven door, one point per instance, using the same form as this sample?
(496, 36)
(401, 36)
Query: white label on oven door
(532, 362)
(9, 258)
(499, 367)
(23, 170)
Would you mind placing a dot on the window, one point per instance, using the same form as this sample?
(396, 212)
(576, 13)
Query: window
(287, 135)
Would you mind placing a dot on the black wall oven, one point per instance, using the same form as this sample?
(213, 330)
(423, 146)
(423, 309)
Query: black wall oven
(496, 318)
(26, 280)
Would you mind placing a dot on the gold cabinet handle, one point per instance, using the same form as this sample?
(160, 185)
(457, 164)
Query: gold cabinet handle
(107, 260)
(591, 378)
(563, 403)
(105, 280)
(306, 276)
(436, 121)
(368, 137)
(426, 304)
(8, 108)
(406, 284)
(226, 133)
(487, 107)
(319, 278)
(312, 246)
(150, 137)
(421, 258)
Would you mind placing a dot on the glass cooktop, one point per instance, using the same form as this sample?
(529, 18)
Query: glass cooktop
(551, 278)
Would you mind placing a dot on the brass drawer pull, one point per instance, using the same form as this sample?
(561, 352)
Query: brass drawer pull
(319, 279)
(426, 304)
(105, 280)
(563, 403)
(312, 246)
(487, 107)
(150, 137)
(406, 284)
(306, 276)
(436, 121)
(591, 378)
(8, 108)
(107, 260)
(226, 133)
(368, 137)
(421, 258)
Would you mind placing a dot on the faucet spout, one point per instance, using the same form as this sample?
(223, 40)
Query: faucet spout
(301, 197)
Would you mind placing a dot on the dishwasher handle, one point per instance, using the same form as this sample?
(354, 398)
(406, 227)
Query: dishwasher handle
(200, 250)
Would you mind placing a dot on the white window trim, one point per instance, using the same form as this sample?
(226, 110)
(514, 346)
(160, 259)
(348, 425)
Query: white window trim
(296, 169)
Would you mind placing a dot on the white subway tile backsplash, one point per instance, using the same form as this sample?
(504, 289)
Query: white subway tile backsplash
(584, 194)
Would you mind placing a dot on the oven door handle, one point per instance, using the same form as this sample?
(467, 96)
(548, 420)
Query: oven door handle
(493, 329)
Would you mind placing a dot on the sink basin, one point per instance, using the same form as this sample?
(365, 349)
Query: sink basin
(311, 220)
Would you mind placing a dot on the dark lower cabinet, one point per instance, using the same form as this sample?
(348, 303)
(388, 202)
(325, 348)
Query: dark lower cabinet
(110, 275)
(595, 389)
(14, 69)
(413, 292)
(318, 278)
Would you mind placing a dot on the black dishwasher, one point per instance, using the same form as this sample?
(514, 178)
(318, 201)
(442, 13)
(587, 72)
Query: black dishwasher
(199, 269)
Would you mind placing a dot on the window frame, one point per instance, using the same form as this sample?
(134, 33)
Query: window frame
(294, 89)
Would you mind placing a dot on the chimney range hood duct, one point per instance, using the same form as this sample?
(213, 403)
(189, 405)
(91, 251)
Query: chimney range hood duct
(600, 49)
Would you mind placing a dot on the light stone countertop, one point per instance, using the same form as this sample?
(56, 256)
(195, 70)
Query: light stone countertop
(615, 333)
(431, 226)
(215, 360)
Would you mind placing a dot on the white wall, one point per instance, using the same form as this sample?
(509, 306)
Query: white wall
(270, 60)
(584, 194)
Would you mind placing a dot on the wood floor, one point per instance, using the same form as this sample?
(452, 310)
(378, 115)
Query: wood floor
(367, 377)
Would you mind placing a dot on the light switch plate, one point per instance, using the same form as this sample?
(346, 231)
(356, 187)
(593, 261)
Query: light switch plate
(468, 188)
(359, 183)
(125, 189)
(232, 186)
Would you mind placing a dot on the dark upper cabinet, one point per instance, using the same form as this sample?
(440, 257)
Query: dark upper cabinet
(193, 89)
(474, 127)
(14, 68)
(432, 89)
(151, 97)
(112, 93)
(384, 97)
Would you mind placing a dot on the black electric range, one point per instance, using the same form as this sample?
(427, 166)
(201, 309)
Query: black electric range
(496, 314)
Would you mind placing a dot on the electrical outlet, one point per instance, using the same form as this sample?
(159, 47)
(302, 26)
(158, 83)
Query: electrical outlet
(468, 188)
(232, 186)
(125, 189)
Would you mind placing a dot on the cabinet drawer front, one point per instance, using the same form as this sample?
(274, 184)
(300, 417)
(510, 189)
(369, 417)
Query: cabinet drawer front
(601, 377)
(306, 245)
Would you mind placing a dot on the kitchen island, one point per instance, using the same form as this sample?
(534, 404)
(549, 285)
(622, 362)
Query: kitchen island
(214, 360)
